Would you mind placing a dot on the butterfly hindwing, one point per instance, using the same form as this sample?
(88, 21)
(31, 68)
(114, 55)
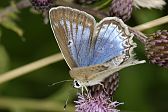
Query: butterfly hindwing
(112, 40)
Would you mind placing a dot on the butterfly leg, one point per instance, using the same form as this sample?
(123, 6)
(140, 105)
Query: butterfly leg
(82, 90)
(103, 88)
(86, 89)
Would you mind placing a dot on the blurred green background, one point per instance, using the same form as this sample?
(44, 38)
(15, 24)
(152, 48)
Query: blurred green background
(143, 88)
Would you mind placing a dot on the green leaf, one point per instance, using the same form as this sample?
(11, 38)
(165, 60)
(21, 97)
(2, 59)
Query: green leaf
(13, 16)
(103, 4)
(4, 59)
(10, 24)
(8, 20)
(145, 15)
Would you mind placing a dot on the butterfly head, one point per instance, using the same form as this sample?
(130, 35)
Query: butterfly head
(77, 84)
(82, 77)
(81, 84)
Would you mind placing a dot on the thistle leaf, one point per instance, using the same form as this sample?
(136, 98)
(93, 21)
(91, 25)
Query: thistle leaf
(8, 19)
(10, 24)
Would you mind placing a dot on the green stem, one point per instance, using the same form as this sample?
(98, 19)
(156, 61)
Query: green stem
(32, 104)
(103, 5)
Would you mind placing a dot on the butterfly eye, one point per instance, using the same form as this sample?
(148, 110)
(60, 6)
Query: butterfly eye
(76, 84)
(69, 42)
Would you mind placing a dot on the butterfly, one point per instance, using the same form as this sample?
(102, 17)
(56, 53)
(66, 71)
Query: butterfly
(93, 51)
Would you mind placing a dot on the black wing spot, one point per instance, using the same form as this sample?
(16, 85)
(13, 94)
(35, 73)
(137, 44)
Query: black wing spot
(69, 43)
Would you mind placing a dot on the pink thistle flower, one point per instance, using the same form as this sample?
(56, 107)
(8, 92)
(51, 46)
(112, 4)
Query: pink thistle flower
(100, 103)
(98, 99)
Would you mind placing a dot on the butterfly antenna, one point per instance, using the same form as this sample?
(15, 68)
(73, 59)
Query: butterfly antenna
(103, 88)
(87, 91)
(53, 84)
(66, 103)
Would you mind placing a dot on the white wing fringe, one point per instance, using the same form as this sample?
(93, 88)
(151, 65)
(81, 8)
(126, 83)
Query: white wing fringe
(158, 4)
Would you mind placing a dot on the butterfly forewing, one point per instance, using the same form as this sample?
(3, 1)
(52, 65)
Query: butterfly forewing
(73, 30)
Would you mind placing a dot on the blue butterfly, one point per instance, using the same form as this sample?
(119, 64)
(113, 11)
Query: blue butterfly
(93, 51)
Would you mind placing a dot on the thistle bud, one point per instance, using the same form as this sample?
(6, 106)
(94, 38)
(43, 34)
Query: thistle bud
(109, 85)
(121, 9)
(42, 5)
(157, 48)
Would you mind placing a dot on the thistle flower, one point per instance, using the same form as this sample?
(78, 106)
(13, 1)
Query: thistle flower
(42, 5)
(121, 9)
(85, 1)
(98, 99)
(157, 48)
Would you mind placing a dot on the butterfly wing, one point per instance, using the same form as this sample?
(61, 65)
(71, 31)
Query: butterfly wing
(92, 75)
(113, 42)
(112, 52)
(73, 30)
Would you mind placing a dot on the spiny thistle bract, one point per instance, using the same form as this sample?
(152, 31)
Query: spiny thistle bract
(157, 48)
